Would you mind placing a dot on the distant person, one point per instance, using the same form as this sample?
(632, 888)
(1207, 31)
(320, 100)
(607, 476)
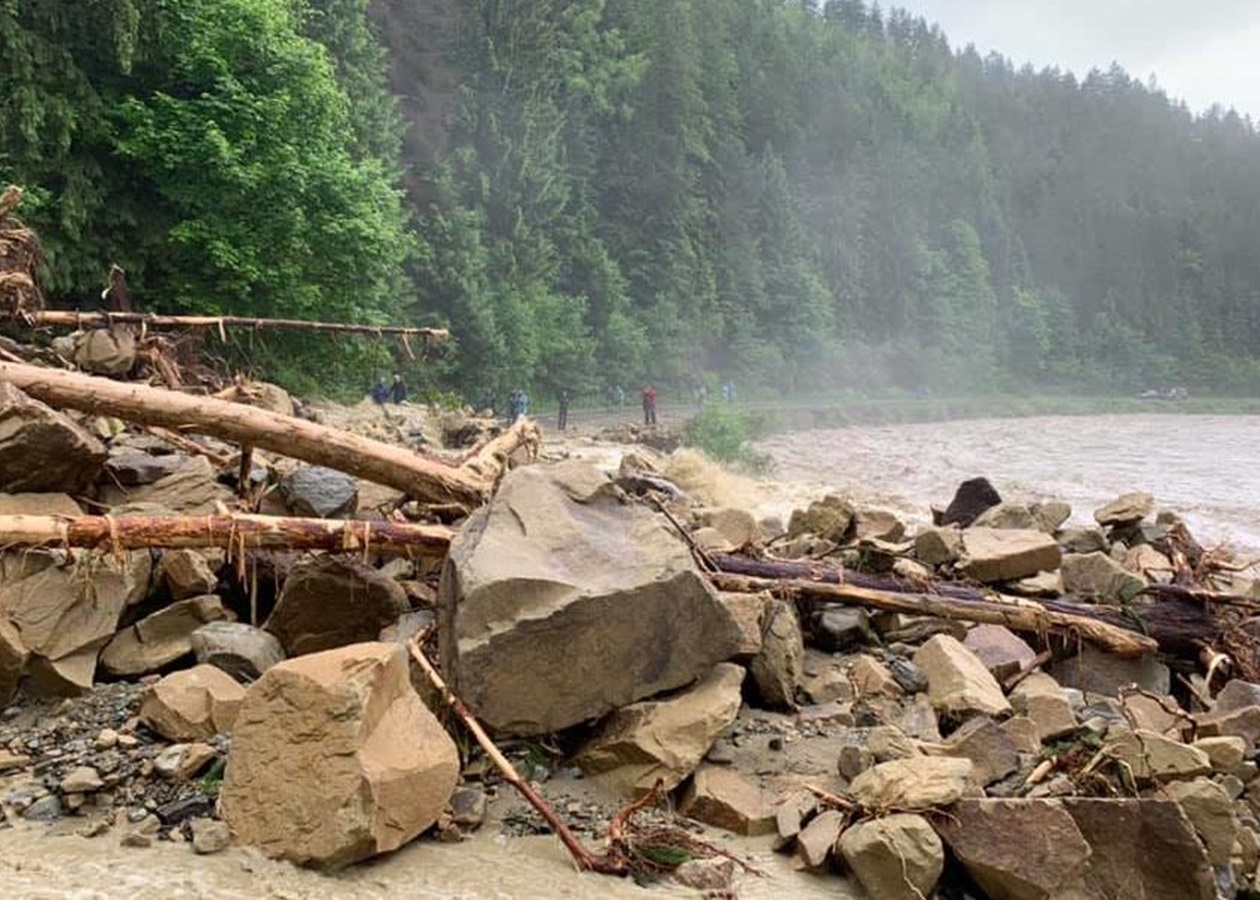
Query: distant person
(728, 392)
(380, 392)
(524, 403)
(621, 396)
(649, 405)
(563, 419)
(398, 390)
(515, 407)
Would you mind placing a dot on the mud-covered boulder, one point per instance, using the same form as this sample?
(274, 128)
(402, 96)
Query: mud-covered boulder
(561, 602)
(335, 759)
(330, 602)
(66, 611)
(192, 705)
(41, 450)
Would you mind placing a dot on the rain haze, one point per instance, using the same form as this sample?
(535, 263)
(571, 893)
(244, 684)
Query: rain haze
(1203, 53)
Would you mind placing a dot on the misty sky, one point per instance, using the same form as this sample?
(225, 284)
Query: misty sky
(1202, 52)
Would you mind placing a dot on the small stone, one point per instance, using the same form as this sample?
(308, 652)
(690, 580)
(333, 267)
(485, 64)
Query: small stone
(45, 809)
(870, 677)
(83, 780)
(95, 828)
(107, 739)
(1001, 650)
(180, 762)
(209, 836)
(136, 839)
(1042, 700)
(713, 874)
(468, 808)
(11, 761)
(1225, 752)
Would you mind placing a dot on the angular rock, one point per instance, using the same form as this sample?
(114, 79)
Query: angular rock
(66, 612)
(1098, 672)
(777, 670)
(1023, 733)
(838, 629)
(747, 610)
(557, 560)
(39, 505)
(1144, 849)
(1149, 756)
(913, 784)
(877, 524)
(1128, 509)
(1051, 514)
(468, 808)
(991, 555)
(1151, 714)
(13, 654)
(937, 546)
(958, 682)
(160, 639)
(320, 493)
(665, 738)
(187, 573)
(1017, 849)
(133, 468)
(335, 758)
(1099, 576)
(992, 751)
(106, 351)
(829, 519)
(209, 836)
(41, 450)
(240, 650)
(81, 780)
(192, 705)
(817, 840)
(871, 678)
(1001, 650)
(1041, 699)
(737, 526)
(1237, 694)
(192, 490)
(725, 799)
(1211, 812)
(330, 602)
(1148, 563)
(1083, 540)
(898, 857)
(971, 498)
(1008, 516)
(179, 762)
(1243, 723)
(1225, 752)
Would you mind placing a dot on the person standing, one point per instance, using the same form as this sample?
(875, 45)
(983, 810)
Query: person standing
(380, 392)
(563, 422)
(398, 391)
(649, 405)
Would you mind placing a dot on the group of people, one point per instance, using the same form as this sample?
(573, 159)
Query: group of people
(383, 393)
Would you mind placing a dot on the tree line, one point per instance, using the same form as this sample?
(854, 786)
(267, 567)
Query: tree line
(798, 197)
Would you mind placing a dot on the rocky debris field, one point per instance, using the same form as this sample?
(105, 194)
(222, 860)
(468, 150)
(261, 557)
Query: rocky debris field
(274, 698)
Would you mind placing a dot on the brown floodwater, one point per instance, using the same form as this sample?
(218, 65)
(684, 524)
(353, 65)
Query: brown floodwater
(1202, 467)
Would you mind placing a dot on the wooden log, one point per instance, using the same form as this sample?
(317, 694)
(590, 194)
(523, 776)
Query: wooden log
(75, 319)
(418, 477)
(1023, 616)
(233, 532)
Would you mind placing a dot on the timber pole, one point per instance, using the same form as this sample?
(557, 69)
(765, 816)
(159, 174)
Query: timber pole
(75, 319)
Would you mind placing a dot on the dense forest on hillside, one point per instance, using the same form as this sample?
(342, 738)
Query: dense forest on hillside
(799, 196)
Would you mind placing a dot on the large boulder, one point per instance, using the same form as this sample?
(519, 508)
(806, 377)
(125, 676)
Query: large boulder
(330, 602)
(241, 650)
(320, 492)
(777, 670)
(829, 518)
(1018, 849)
(193, 489)
(897, 857)
(958, 682)
(912, 784)
(1001, 650)
(1099, 672)
(335, 759)
(162, 638)
(1042, 699)
(1100, 577)
(65, 610)
(132, 468)
(39, 505)
(994, 554)
(192, 705)
(1128, 509)
(971, 499)
(42, 450)
(106, 351)
(560, 603)
(663, 739)
(13, 655)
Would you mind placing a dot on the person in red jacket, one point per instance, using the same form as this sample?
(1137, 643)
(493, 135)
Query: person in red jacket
(649, 405)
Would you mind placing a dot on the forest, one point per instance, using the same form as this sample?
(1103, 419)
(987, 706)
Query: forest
(803, 198)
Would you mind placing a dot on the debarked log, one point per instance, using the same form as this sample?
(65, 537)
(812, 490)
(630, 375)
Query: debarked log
(1018, 616)
(233, 532)
(420, 478)
(75, 319)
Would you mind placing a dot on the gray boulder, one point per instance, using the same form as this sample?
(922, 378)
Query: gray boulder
(42, 450)
(320, 493)
(560, 602)
(241, 650)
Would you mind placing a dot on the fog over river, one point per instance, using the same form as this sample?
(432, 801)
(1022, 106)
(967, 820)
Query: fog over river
(1203, 467)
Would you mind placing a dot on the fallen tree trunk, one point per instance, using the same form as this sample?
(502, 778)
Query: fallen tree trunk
(234, 532)
(418, 477)
(1016, 616)
(74, 319)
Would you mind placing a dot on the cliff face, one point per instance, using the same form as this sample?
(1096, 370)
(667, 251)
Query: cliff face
(420, 35)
